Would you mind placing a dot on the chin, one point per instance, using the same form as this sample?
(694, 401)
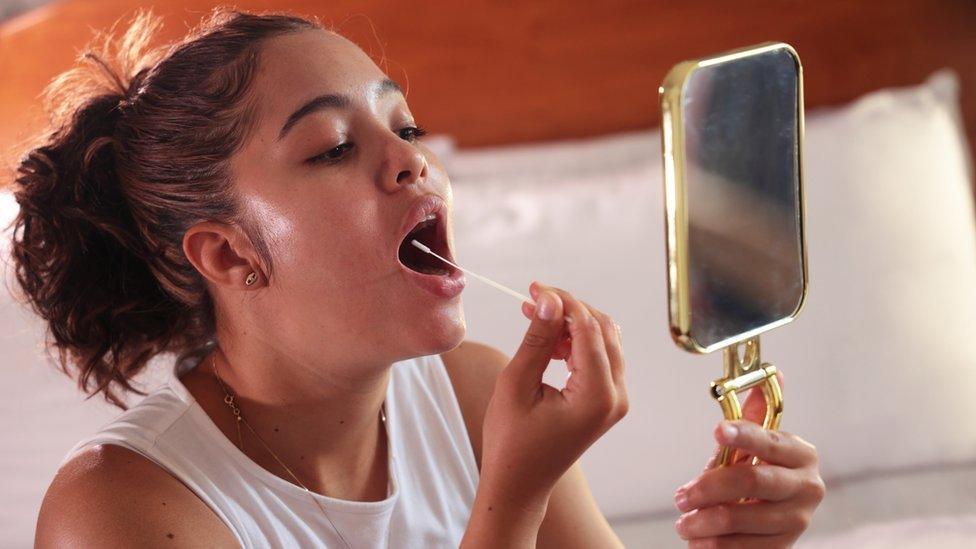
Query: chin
(455, 330)
(445, 331)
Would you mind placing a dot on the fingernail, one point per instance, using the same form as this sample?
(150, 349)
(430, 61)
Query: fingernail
(545, 308)
(681, 500)
(534, 288)
(729, 431)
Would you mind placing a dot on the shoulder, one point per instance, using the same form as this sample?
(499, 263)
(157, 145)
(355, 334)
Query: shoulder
(107, 495)
(474, 361)
(473, 368)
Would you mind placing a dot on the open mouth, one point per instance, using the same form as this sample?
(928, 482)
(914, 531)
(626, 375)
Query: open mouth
(431, 232)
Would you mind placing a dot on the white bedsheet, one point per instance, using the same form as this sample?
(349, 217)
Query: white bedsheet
(927, 507)
(946, 532)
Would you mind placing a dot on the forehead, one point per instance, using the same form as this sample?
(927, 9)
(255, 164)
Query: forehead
(301, 65)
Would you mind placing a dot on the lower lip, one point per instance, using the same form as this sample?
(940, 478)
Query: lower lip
(446, 286)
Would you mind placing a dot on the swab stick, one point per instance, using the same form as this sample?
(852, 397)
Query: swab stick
(486, 280)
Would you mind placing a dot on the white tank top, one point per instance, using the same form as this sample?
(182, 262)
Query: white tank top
(432, 469)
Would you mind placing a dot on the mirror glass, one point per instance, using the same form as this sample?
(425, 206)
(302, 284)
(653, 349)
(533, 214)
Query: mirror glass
(742, 183)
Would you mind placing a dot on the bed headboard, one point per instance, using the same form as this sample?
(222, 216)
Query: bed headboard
(490, 73)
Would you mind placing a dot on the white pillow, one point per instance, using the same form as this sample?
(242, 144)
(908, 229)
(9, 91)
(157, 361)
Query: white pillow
(879, 363)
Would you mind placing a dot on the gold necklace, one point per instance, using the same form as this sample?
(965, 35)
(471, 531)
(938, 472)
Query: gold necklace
(229, 400)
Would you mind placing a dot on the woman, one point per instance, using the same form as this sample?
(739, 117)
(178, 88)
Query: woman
(244, 199)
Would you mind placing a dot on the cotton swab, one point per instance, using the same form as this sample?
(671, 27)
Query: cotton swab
(486, 280)
(507, 290)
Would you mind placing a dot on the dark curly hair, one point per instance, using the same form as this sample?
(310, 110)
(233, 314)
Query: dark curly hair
(137, 152)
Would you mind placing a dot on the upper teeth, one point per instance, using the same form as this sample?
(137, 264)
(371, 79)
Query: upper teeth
(423, 222)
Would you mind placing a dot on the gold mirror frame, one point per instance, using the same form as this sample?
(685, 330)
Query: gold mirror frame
(740, 374)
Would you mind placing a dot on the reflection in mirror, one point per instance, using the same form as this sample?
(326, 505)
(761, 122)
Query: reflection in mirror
(742, 176)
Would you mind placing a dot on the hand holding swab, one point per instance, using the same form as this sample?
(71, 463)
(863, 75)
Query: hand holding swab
(486, 280)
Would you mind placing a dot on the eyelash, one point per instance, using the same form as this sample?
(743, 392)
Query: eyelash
(324, 158)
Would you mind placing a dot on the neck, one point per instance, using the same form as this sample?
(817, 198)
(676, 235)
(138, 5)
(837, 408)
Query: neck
(324, 425)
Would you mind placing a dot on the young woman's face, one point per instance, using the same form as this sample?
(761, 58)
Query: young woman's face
(332, 191)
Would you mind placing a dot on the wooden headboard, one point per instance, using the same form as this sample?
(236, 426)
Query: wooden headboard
(492, 73)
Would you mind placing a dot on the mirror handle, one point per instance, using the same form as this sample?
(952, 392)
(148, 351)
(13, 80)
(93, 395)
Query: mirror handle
(741, 376)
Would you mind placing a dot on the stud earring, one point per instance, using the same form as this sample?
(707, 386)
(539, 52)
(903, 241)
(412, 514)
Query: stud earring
(251, 278)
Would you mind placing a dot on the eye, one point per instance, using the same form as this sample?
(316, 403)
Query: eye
(336, 154)
(413, 132)
(330, 156)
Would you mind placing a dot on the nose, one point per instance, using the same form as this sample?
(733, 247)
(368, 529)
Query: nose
(404, 164)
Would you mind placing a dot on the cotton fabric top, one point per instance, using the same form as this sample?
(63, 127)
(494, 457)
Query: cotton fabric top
(432, 469)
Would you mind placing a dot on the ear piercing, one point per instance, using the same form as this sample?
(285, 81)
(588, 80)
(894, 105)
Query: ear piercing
(251, 278)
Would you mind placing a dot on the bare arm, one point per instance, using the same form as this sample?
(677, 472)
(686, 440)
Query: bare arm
(109, 496)
(571, 518)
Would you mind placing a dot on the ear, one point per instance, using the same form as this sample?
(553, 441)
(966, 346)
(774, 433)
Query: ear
(221, 253)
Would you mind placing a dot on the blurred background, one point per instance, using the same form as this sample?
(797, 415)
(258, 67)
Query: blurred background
(546, 115)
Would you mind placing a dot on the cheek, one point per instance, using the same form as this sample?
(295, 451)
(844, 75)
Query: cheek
(273, 221)
(342, 248)
(282, 230)
(279, 229)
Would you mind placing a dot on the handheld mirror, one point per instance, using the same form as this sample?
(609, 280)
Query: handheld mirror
(732, 140)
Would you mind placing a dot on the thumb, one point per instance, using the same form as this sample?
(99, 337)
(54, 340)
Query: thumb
(528, 364)
(754, 408)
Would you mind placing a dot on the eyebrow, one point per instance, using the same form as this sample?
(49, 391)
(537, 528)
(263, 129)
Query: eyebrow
(333, 101)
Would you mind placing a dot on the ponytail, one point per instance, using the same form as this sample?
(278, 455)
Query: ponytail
(97, 243)
(77, 253)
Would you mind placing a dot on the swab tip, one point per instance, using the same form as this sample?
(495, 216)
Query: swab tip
(419, 245)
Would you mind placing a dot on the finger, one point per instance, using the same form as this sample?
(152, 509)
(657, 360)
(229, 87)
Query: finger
(754, 408)
(588, 358)
(742, 541)
(713, 459)
(563, 347)
(611, 336)
(774, 447)
(757, 517)
(528, 364)
(734, 482)
(612, 340)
